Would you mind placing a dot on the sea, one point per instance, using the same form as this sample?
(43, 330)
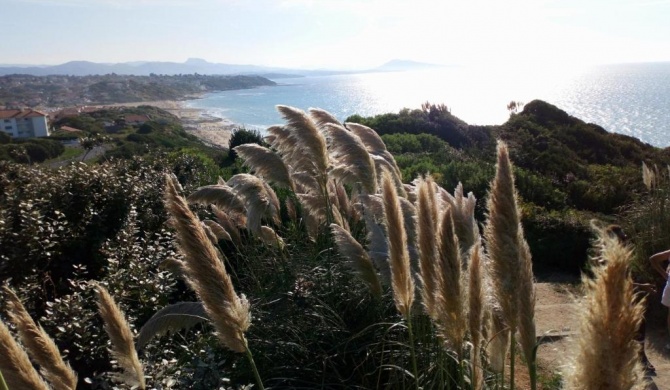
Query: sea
(631, 99)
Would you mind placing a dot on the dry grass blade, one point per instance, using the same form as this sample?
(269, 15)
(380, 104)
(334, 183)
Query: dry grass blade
(464, 216)
(207, 276)
(182, 315)
(275, 206)
(219, 232)
(227, 223)
(648, 177)
(40, 346)
(271, 238)
(266, 164)
(219, 195)
(401, 275)
(606, 354)
(323, 117)
(279, 138)
(451, 317)
(257, 200)
(15, 364)
(356, 256)
(376, 235)
(502, 239)
(314, 205)
(307, 135)
(500, 335)
(527, 331)
(342, 199)
(123, 347)
(353, 164)
(374, 143)
(476, 311)
(427, 237)
(381, 165)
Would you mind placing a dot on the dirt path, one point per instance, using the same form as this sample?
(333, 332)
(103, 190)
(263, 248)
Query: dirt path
(557, 319)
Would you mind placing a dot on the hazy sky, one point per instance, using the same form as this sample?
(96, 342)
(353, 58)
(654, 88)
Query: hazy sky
(336, 33)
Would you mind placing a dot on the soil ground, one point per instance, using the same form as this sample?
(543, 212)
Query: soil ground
(557, 319)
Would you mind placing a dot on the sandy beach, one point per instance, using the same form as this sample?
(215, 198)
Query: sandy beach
(210, 129)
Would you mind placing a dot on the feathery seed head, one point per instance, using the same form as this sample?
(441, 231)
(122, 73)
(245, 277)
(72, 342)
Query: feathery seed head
(307, 136)
(427, 234)
(206, 275)
(449, 297)
(351, 161)
(401, 275)
(266, 164)
(15, 364)
(40, 346)
(606, 356)
(123, 347)
(502, 238)
(357, 258)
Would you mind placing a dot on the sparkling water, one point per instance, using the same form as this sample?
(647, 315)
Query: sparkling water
(632, 99)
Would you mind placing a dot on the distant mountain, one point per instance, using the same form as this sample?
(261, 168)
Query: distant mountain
(405, 65)
(192, 66)
(145, 68)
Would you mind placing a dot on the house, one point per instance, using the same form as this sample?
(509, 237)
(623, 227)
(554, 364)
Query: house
(136, 120)
(24, 123)
(69, 129)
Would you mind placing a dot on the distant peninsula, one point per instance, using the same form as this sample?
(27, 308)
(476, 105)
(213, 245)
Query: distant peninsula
(199, 66)
(17, 91)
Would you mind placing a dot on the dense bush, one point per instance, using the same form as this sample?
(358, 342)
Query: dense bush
(243, 136)
(30, 150)
(315, 324)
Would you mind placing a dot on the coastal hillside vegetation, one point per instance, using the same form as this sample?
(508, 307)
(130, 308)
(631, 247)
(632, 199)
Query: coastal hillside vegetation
(324, 255)
(57, 90)
(568, 171)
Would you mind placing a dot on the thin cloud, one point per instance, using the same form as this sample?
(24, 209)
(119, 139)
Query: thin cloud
(111, 3)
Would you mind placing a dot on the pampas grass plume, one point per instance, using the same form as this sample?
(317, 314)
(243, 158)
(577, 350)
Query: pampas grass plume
(207, 276)
(476, 311)
(265, 163)
(401, 275)
(123, 347)
(501, 233)
(15, 364)
(360, 261)
(40, 346)
(427, 237)
(451, 317)
(606, 355)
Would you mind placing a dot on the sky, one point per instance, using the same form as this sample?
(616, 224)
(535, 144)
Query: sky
(337, 34)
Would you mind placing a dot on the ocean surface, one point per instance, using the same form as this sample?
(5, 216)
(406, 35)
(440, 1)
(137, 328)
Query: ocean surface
(632, 99)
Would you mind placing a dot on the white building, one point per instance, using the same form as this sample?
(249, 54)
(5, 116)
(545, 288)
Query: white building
(24, 123)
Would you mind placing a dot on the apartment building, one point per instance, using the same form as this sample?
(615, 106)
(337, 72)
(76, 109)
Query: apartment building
(24, 123)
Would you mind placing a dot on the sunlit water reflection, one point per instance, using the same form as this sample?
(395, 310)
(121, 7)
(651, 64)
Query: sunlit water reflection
(631, 99)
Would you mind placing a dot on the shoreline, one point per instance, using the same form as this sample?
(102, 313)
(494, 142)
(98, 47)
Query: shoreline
(212, 130)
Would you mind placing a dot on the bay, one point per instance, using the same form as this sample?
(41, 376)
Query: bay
(631, 99)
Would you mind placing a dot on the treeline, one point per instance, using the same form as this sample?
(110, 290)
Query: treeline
(28, 150)
(32, 91)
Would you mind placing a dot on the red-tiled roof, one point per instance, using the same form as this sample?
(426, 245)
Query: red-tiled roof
(18, 114)
(70, 129)
(136, 118)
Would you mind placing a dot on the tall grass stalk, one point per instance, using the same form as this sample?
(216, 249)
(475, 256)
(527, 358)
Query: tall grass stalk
(40, 346)
(3, 384)
(606, 354)
(511, 267)
(123, 347)
(401, 273)
(206, 275)
(15, 364)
